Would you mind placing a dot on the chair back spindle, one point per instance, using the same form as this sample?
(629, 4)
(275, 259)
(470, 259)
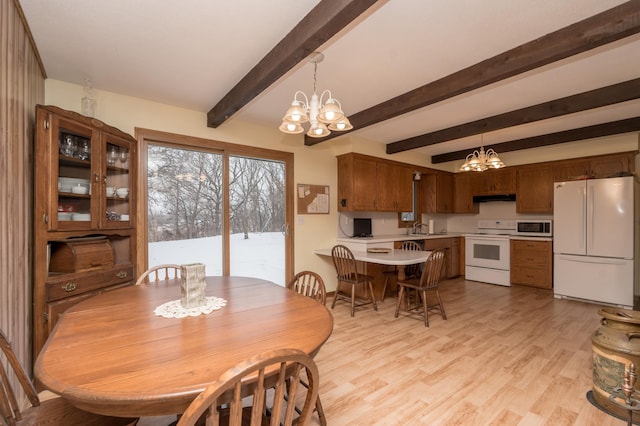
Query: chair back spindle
(159, 273)
(308, 283)
(280, 370)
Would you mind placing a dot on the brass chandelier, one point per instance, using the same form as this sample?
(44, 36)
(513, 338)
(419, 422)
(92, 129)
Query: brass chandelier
(324, 113)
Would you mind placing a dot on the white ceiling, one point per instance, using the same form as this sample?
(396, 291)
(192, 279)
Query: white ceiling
(191, 53)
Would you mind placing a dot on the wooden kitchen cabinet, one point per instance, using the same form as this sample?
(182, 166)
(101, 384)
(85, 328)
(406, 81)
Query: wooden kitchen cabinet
(598, 167)
(451, 247)
(357, 176)
(613, 165)
(531, 263)
(84, 231)
(370, 184)
(395, 187)
(495, 182)
(436, 193)
(534, 189)
(463, 194)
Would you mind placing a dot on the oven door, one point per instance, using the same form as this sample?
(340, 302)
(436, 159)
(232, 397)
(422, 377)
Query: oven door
(487, 252)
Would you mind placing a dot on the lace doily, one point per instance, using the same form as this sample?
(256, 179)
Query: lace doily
(174, 309)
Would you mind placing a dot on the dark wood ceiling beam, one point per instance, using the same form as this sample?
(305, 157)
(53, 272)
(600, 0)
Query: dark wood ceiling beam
(572, 135)
(315, 29)
(614, 24)
(597, 98)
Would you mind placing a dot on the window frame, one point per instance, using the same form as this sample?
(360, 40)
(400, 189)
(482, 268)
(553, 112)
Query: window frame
(155, 137)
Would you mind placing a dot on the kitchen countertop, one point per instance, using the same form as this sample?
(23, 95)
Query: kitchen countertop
(398, 237)
(518, 237)
(393, 257)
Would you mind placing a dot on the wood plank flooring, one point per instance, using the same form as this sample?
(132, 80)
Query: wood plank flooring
(505, 356)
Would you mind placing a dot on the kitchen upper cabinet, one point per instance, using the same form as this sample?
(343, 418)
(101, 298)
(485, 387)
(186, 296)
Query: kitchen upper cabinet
(534, 189)
(356, 183)
(495, 182)
(395, 187)
(370, 184)
(614, 165)
(436, 193)
(463, 194)
(602, 166)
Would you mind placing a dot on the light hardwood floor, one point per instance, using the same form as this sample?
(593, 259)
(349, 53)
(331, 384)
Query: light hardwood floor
(505, 356)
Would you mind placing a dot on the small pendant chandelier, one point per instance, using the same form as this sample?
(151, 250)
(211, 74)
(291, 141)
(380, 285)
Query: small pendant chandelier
(479, 161)
(323, 114)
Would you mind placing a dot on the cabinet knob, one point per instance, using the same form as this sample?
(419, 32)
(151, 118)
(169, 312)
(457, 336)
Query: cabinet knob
(121, 274)
(69, 286)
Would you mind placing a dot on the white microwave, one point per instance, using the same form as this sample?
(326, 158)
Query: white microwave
(534, 228)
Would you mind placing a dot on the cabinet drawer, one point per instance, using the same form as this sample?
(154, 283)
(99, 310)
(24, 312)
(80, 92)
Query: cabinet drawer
(530, 245)
(535, 277)
(68, 285)
(529, 258)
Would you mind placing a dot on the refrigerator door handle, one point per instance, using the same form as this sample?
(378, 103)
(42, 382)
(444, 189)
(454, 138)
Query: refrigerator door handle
(583, 219)
(591, 220)
(599, 260)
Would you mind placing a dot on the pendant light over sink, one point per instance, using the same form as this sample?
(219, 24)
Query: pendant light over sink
(324, 112)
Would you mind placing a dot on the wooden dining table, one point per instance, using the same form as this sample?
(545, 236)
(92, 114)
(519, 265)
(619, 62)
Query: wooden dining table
(110, 354)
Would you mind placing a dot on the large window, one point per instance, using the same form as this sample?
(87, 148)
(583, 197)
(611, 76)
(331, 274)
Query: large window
(227, 206)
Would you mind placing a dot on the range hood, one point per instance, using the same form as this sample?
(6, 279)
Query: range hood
(493, 197)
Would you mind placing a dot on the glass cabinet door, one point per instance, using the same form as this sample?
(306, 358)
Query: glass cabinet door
(92, 189)
(116, 185)
(72, 190)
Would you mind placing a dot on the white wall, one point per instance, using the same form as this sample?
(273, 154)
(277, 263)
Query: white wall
(315, 165)
(312, 165)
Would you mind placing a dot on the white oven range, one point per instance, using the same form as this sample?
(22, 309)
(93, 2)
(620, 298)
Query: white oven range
(487, 253)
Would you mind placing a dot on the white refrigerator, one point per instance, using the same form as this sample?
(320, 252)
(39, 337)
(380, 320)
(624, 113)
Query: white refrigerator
(595, 231)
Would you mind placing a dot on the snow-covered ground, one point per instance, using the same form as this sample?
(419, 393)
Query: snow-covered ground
(259, 256)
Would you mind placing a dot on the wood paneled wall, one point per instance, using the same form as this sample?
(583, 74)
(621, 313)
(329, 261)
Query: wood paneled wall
(21, 88)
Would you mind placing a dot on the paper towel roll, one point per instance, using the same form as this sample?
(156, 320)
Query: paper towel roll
(432, 228)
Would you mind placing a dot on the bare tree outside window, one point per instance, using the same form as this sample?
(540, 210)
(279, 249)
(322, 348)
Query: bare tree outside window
(186, 211)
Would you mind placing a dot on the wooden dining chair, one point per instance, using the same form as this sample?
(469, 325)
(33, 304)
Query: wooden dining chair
(410, 271)
(159, 273)
(279, 370)
(308, 283)
(426, 283)
(55, 411)
(348, 276)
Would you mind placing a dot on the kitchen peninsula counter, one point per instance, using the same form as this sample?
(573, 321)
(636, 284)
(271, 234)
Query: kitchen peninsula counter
(388, 241)
(377, 263)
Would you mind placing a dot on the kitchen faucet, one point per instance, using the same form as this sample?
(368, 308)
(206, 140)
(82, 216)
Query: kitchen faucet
(416, 226)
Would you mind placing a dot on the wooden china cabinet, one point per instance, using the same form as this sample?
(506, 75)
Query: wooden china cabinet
(84, 213)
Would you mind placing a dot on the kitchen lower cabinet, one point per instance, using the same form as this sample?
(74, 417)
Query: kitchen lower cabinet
(532, 263)
(451, 248)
